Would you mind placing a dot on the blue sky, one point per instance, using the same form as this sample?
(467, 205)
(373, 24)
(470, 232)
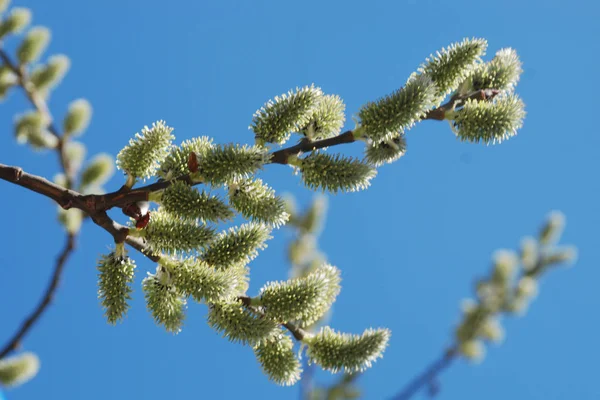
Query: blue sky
(409, 247)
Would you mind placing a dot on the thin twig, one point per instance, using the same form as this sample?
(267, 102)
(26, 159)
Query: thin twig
(13, 343)
(428, 376)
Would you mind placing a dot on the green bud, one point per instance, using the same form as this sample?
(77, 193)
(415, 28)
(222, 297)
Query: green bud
(239, 324)
(71, 219)
(115, 276)
(257, 201)
(529, 253)
(489, 121)
(193, 277)
(560, 255)
(327, 119)
(143, 155)
(170, 234)
(277, 359)
(99, 170)
(335, 173)
(228, 163)
(176, 163)
(237, 245)
(18, 369)
(4, 5)
(31, 128)
(527, 287)
(187, 202)
(449, 67)
(505, 264)
(314, 217)
(306, 299)
(492, 330)
(386, 151)
(46, 77)
(33, 45)
(8, 79)
(473, 350)
(335, 351)
(287, 113)
(163, 301)
(302, 249)
(75, 154)
(78, 117)
(16, 21)
(501, 73)
(398, 111)
(552, 230)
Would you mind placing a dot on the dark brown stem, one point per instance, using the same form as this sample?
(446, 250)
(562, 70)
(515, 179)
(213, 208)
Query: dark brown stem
(428, 376)
(14, 342)
(281, 156)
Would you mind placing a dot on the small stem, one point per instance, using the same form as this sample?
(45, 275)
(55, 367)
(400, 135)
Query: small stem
(30, 321)
(428, 376)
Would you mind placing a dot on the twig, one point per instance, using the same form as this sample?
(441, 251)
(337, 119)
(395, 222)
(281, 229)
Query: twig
(427, 377)
(13, 343)
(296, 331)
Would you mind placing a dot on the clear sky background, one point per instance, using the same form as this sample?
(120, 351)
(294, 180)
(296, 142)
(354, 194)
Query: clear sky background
(409, 248)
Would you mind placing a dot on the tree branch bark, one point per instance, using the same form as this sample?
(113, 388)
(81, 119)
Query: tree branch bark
(30, 321)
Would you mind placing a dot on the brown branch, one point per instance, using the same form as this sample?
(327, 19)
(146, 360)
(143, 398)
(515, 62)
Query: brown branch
(428, 376)
(14, 342)
(281, 156)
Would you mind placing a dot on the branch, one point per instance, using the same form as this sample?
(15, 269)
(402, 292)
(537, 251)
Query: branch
(428, 376)
(13, 343)
(40, 105)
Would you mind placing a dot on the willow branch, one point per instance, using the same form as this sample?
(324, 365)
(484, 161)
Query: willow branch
(39, 103)
(428, 376)
(13, 343)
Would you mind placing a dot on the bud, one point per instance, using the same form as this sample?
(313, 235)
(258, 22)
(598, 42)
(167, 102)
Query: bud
(187, 202)
(529, 253)
(386, 151)
(505, 264)
(449, 67)
(143, 155)
(472, 350)
(33, 45)
(502, 73)
(527, 288)
(277, 359)
(31, 128)
(489, 122)
(398, 111)
(18, 369)
(115, 276)
(237, 245)
(287, 113)
(176, 163)
(314, 218)
(195, 278)
(163, 301)
(4, 5)
(335, 351)
(16, 21)
(170, 234)
(71, 219)
(238, 324)
(78, 117)
(46, 77)
(8, 79)
(75, 154)
(306, 298)
(99, 171)
(335, 173)
(552, 230)
(492, 330)
(228, 163)
(257, 201)
(327, 119)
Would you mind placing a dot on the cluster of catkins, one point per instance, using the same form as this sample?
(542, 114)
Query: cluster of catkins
(511, 286)
(194, 261)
